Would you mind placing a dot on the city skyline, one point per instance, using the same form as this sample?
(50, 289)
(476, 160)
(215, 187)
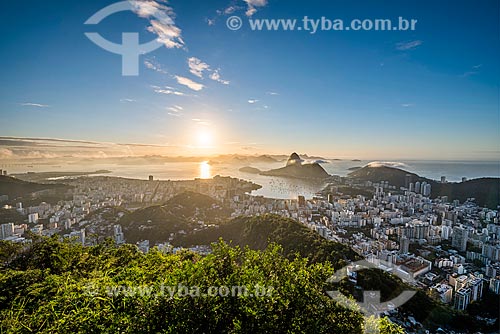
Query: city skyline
(429, 94)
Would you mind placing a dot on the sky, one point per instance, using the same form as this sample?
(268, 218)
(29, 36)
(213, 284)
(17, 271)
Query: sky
(431, 93)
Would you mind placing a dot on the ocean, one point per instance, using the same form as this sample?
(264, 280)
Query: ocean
(276, 187)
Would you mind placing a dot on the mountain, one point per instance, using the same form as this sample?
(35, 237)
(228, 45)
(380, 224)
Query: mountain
(250, 170)
(259, 231)
(394, 176)
(181, 213)
(296, 169)
(14, 188)
(486, 191)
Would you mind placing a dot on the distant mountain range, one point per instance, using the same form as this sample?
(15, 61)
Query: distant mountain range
(486, 191)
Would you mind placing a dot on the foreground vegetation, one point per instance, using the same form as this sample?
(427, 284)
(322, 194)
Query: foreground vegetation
(55, 287)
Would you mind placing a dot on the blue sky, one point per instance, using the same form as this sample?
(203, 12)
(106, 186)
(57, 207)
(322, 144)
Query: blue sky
(432, 93)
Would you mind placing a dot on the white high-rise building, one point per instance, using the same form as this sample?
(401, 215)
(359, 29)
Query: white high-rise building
(404, 245)
(417, 187)
(6, 230)
(445, 232)
(33, 218)
(462, 298)
(459, 238)
(118, 234)
(426, 190)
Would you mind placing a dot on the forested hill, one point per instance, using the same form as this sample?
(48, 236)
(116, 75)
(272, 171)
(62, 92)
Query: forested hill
(60, 287)
(258, 231)
(15, 188)
(486, 191)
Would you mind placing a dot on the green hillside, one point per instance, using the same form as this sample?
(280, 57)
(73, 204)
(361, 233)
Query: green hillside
(181, 212)
(14, 188)
(56, 287)
(259, 231)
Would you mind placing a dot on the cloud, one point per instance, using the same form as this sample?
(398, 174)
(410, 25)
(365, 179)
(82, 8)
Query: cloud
(272, 93)
(252, 101)
(152, 64)
(404, 46)
(394, 164)
(5, 153)
(252, 4)
(50, 148)
(168, 35)
(128, 100)
(175, 110)
(189, 83)
(168, 91)
(216, 77)
(196, 66)
(229, 10)
(161, 20)
(474, 70)
(38, 105)
(201, 121)
(407, 105)
(210, 22)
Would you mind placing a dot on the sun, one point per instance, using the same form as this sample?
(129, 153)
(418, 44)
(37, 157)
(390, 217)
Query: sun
(204, 138)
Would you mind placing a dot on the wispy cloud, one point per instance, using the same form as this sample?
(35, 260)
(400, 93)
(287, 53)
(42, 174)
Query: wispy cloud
(272, 93)
(216, 77)
(404, 46)
(13, 148)
(152, 64)
(127, 100)
(474, 70)
(201, 121)
(161, 20)
(37, 105)
(189, 83)
(407, 105)
(229, 10)
(168, 91)
(196, 66)
(252, 6)
(253, 101)
(250, 9)
(175, 110)
(5, 153)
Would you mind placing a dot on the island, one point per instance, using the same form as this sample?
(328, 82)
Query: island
(250, 170)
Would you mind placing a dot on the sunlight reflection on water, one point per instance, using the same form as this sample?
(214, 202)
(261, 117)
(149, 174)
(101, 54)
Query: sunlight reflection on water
(205, 170)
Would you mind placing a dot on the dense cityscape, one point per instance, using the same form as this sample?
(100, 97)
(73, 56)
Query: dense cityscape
(449, 249)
